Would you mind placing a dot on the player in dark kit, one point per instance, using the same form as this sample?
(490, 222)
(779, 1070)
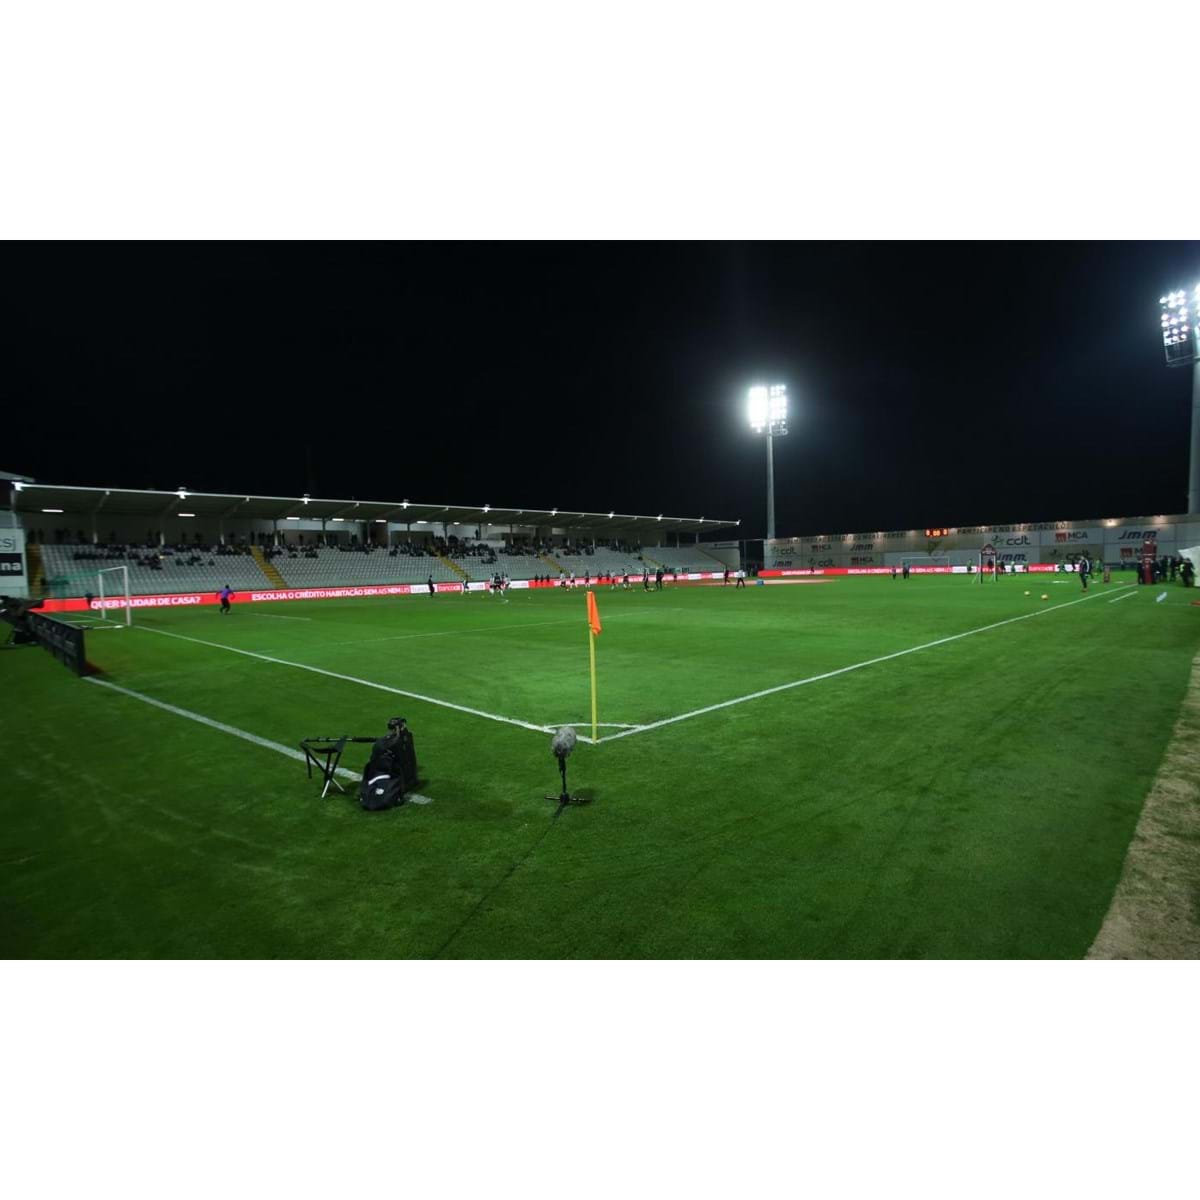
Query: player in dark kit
(226, 594)
(1085, 569)
(905, 571)
(658, 579)
(431, 585)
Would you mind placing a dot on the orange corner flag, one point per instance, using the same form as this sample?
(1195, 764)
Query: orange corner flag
(593, 613)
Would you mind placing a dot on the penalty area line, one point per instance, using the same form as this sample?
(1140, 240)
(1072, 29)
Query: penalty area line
(870, 662)
(232, 730)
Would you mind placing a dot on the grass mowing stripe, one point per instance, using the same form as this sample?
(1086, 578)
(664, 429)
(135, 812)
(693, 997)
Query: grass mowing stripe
(383, 687)
(404, 637)
(870, 662)
(278, 747)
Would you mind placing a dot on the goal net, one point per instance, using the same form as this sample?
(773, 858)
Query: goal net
(112, 588)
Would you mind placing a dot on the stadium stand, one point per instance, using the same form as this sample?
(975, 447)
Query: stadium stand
(71, 567)
(351, 567)
(152, 568)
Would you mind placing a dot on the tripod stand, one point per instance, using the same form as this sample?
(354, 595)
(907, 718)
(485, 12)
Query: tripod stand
(564, 797)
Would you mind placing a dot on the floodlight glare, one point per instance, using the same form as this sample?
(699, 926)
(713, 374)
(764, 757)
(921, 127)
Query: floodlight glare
(758, 409)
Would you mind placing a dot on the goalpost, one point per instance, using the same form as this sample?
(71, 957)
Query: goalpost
(113, 583)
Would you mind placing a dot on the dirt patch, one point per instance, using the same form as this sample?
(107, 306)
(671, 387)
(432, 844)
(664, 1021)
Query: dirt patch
(1155, 912)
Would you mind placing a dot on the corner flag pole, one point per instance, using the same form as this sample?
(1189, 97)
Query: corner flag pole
(592, 651)
(593, 614)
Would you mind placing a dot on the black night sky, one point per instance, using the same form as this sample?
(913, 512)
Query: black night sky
(931, 383)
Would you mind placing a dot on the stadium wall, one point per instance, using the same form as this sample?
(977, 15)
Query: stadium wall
(1114, 541)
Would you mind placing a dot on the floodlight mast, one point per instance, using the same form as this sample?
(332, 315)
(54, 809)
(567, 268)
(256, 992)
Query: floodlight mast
(768, 414)
(1180, 311)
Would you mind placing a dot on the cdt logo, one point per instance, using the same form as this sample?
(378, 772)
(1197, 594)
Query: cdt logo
(1017, 541)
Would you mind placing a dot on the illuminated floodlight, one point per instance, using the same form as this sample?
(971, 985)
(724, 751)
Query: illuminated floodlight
(611, 515)
(1179, 314)
(186, 514)
(52, 510)
(337, 518)
(487, 508)
(293, 518)
(1180, 310)
(182, 493)
(768, 409)
(554, 512)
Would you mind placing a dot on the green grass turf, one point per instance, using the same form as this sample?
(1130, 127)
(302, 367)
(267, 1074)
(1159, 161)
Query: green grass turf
(971, 800)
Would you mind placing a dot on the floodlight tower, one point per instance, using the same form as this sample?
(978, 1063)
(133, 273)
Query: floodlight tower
(1180, 312)
(768, 415)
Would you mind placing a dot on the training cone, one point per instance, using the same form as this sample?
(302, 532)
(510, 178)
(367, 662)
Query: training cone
(1044, 596)
(1028, 593)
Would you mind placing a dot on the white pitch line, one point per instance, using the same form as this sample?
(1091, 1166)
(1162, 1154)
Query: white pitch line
(1125, 596)
(870, 662)
(344, 772)
(382, 687)
(278, 617)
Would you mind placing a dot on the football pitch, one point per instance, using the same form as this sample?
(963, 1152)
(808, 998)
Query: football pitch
(846, 768)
